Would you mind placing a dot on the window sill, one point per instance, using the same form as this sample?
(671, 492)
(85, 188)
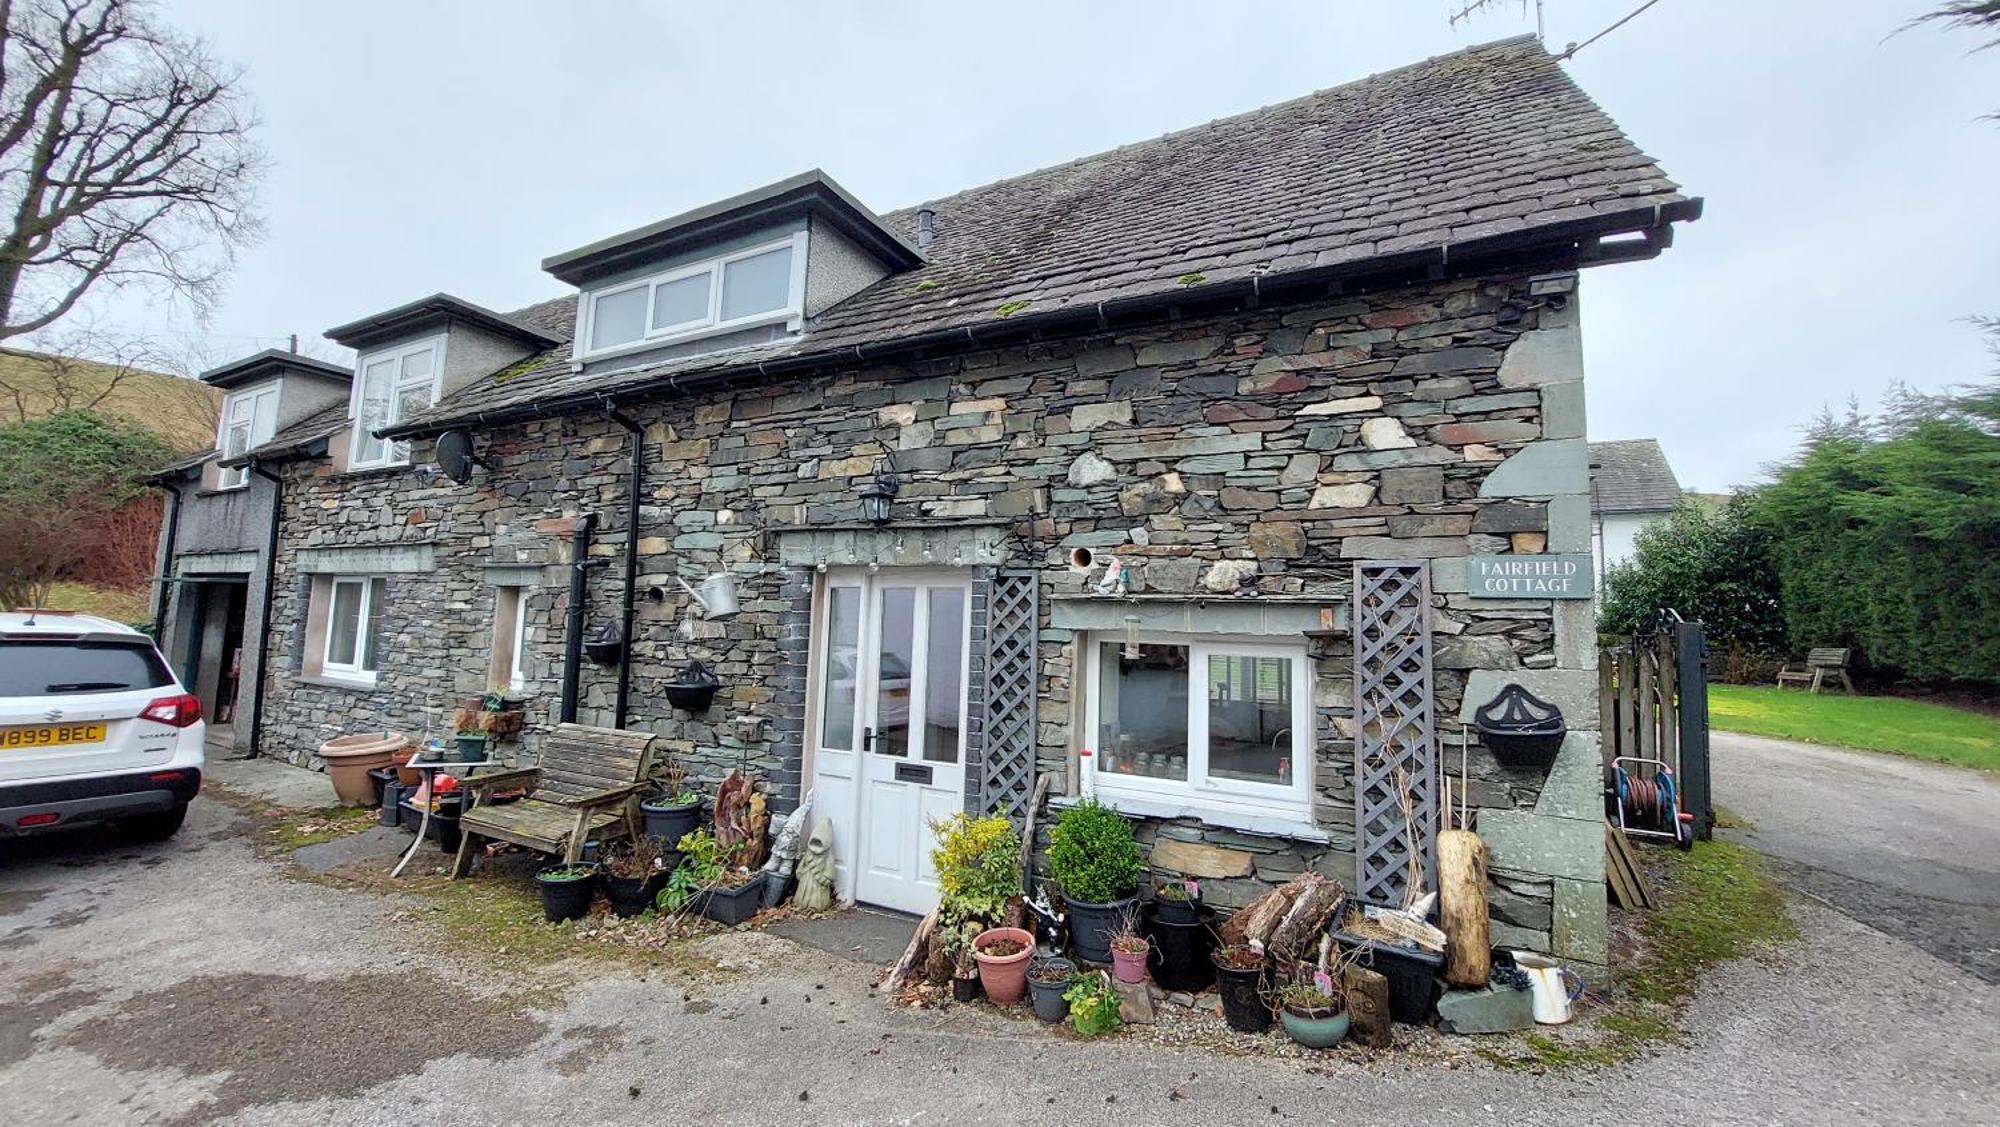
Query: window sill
(722, 329)
(360, 684)
(373, 471)
(1292, 827)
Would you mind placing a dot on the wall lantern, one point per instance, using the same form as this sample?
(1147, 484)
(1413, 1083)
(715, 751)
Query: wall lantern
(878, 496)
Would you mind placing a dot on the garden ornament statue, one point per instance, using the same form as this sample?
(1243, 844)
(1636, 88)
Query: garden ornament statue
(1114, 581)
(786, 848)
(815, 870)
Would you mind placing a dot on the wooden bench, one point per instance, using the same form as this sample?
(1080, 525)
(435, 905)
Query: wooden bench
(587, 786)
(1829, 663)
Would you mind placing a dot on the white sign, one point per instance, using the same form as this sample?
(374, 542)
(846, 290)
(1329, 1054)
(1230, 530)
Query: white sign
(1529, 577)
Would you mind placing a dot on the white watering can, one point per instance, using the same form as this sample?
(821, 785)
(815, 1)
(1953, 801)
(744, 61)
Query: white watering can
(717, 597)
(1555, 987)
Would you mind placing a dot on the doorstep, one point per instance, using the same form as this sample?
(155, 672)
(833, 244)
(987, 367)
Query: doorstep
(868, 935)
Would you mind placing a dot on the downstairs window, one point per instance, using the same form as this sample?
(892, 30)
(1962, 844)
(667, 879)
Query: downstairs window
(1201, 722)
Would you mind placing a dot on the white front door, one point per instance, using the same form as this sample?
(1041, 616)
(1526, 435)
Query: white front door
(890, 734)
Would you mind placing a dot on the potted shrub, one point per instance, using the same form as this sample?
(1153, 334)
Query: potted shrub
(978, 863)
(1178, 902)
(706, 881)
(634, 871)
(1312, 1011)
(1095, 863)
(1047, 979)
(1239, 971)
(471, 746)
(1129, 949)
(566, 891)
(964, 966)
(1093, 1004)
(1003, 954)
(672, 810)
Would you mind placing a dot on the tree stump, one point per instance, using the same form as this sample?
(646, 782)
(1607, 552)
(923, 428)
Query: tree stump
(1468, 956)
(1367, 1007)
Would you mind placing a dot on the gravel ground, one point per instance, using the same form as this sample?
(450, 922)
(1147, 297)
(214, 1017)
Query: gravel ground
(197, 982)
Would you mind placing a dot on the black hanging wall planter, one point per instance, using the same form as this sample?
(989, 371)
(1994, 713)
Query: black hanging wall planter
(1522, 729)
(605, 645)
(694, 690)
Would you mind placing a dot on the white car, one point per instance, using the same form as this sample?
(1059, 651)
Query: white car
(93, 728)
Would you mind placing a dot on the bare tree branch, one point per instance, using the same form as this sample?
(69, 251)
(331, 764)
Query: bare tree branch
(126, 159)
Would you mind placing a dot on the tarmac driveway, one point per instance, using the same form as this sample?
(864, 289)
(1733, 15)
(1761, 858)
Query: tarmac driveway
(1907, 847)
(199, 982)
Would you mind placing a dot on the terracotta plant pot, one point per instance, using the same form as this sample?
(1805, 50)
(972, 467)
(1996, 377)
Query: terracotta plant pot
(1004, 977)
(348, 760)
(1130, 966)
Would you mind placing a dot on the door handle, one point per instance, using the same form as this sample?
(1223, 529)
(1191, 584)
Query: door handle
(867, 739)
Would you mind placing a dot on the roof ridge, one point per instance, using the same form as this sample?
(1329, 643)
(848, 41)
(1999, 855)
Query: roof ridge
(1433, 60)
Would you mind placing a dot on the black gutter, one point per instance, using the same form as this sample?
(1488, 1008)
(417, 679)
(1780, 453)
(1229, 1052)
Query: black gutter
(637, 479)
(264, 616)
(580, 564)
(1565, 242)
(169, 539)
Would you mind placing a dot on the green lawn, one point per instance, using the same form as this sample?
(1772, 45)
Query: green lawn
(133, 607)
(1905, 727)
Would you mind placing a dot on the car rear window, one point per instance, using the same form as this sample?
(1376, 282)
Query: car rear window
(60, 668)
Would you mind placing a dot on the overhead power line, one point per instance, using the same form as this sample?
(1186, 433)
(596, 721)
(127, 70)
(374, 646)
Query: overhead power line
(1572, 49)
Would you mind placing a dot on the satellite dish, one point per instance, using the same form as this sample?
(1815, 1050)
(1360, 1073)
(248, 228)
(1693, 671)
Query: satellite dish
(455, 456)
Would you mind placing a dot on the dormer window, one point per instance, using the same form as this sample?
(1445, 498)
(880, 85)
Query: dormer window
(762, 285)
(390, 385)
(249, 418)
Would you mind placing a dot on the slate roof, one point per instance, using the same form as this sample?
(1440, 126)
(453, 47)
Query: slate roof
(1632, 476)
(1488, 147)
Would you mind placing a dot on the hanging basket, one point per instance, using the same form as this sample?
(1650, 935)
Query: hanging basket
(1522, 729)
(605, 645)
(694, 690)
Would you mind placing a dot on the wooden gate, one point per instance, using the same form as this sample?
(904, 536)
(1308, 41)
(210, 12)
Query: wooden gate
(1653, 693)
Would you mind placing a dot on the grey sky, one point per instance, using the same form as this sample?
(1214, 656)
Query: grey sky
(420, 147)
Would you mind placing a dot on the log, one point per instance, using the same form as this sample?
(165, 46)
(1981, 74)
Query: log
(1257, 918)
(1294, 936)
(1468, 956)
(1028, 832)
(1367, 1007)
(914, 956)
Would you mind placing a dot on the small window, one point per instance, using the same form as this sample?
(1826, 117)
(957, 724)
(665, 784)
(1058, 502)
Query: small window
(508, 666)
(751, 287)
(1204, 722)
(393, 386)
(353, 627)
(249, 418)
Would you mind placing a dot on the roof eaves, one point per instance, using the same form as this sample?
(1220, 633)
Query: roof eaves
(272, 359)
(438, 307)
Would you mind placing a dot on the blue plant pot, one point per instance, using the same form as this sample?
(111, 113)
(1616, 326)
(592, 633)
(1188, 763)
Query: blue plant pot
(1315, 1032)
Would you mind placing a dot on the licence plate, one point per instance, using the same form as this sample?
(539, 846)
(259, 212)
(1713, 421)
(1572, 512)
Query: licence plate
(51, 735)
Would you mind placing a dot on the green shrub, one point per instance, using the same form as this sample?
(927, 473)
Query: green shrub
(1093, 1004)
(701, 867)
(1092, 857)
(978, 861)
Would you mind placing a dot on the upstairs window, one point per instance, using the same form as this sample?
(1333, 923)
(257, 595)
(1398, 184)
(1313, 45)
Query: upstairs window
(249, 418)
(390, 387)
(758, 286)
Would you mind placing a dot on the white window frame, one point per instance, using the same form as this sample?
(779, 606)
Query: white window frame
(354, 671)
(517, 676)
(237, 477)
(791, 313)
(393, 453)
(1201, 793)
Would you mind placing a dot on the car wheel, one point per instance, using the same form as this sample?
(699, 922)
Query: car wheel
(156, 827)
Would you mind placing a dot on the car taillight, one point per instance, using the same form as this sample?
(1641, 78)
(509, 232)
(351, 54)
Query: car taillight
(179, 711)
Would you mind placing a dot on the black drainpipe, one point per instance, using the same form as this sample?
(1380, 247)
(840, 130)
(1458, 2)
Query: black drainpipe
(172, 536)
(638, 479)
(264, 615)
(580, 564)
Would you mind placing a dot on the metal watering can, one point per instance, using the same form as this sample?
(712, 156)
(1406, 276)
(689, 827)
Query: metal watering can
(1554, 996)
(717, 597)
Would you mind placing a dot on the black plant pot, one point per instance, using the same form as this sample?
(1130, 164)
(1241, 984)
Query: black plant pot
(694, 690)
(731, 906)
(1091, 927)
(1176, 911)
(605, 645)
(776, 888)
(378, 779)
(1243, 998)
(1412, 974)
(632, 895)
(1050, 1005)
(393, 794)
(1520, 728)
(1182, 951)
(965, 989)
(669, 823)
(565, 899)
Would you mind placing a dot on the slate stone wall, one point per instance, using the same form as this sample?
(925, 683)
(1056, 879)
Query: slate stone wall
(1268, 447)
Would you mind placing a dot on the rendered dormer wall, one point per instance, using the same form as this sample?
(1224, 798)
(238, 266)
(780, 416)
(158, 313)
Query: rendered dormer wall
(471, 353)
(836, 269)
(301, 394)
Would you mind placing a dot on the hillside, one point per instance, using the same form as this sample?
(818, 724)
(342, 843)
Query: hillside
(181, 411)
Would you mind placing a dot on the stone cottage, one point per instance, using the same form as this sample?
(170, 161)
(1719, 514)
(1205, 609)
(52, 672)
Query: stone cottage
(1220, 476)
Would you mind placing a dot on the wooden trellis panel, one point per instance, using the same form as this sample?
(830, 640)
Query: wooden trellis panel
(1013, 629)
(1395, 743)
